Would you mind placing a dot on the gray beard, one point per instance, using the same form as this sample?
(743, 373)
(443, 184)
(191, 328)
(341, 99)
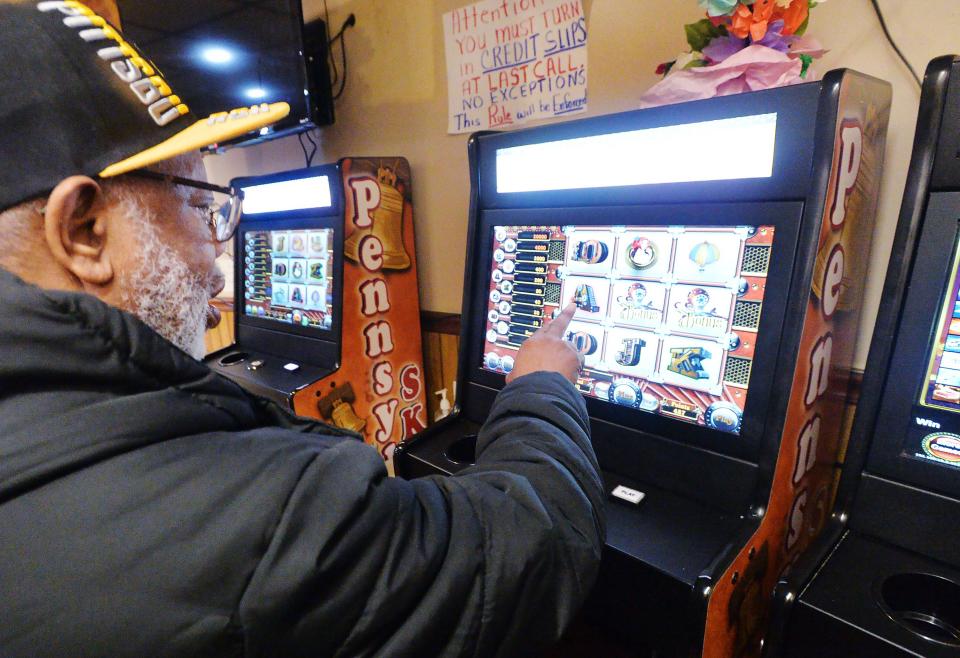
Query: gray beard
(165, 294)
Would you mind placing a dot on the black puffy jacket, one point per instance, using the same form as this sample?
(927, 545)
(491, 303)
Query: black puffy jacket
(151, 507)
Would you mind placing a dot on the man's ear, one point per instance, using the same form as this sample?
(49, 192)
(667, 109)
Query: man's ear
(75, 230)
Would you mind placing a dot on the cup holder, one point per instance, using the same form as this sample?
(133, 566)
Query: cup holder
(463, 450)
(233, 358)
(926, 605)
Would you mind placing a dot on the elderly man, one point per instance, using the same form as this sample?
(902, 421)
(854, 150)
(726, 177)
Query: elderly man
(148, 506)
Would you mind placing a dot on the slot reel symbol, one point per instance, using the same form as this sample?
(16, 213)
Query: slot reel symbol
(629, 354)
(591, 252)
(582, 341)
(585, 298)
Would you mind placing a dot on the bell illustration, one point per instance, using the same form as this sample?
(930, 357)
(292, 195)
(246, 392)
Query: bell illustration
(387, 225)
(337, 407)
(344, 416)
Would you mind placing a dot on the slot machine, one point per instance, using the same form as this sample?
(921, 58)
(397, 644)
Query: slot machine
(327, 318)
(716, 253)
(288, 278)
(884, 579)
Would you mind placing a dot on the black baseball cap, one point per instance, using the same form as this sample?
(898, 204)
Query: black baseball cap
(77, 98)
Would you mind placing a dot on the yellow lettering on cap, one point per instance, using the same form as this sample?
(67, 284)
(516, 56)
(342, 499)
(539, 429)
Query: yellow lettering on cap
(174, 100)
(182, 109)
(98, 21)
(143, 64)
(161, 86)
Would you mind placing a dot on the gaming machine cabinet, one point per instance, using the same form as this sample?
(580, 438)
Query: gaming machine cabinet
(282, 346)
(721, 209)
(884, 579)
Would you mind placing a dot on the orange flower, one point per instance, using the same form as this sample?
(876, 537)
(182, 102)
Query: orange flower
(793, 16)
(753, 23)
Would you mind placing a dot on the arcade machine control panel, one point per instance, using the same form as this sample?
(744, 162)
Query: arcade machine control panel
(718, 292)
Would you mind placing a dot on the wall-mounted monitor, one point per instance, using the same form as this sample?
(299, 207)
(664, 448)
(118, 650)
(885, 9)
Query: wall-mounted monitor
(229, 54)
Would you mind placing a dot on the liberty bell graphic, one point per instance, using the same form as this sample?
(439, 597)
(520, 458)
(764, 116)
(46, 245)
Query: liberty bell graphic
(383, 202)
(337, 406)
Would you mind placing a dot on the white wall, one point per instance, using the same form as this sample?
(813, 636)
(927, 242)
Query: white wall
(395, 103)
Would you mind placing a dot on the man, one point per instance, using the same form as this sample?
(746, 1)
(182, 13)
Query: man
(151, 507)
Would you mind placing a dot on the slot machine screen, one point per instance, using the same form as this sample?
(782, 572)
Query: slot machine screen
(940, 391)
(667, 316)
(288, 276)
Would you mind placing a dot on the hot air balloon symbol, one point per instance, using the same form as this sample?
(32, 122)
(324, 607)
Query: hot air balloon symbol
(704, 253)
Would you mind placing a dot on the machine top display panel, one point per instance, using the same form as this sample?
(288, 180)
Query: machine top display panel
(667, 317)
(642, 157)
(308, 193)
(288, 276)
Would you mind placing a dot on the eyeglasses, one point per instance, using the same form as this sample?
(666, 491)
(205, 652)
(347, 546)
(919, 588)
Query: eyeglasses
(223, 215)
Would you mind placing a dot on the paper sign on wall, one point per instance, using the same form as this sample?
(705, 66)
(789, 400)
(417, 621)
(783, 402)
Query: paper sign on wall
(513, 61)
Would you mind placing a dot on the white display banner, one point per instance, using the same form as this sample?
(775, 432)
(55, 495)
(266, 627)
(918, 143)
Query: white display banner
(513, 61)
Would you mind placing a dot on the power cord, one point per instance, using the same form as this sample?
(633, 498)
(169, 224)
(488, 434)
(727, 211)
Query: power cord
(350, 22)
(313, 152)
(896, 49)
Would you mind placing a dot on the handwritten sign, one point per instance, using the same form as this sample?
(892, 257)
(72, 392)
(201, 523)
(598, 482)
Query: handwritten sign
(513, 61)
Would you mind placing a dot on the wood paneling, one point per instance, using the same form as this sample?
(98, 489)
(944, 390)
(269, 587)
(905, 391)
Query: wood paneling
(441, 349)
(223, 334)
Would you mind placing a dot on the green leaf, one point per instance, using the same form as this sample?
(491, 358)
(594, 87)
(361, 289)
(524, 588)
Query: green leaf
(695, 63)
(803, 26)
(807, 61)
(699, 34)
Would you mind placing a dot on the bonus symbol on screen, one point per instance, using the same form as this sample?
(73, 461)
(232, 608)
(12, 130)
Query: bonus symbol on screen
(688, 362)
(635, 297)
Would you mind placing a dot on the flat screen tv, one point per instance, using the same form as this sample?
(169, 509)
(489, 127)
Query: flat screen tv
(220, 55)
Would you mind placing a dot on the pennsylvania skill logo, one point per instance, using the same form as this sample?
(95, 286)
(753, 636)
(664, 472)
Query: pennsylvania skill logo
(144, 81)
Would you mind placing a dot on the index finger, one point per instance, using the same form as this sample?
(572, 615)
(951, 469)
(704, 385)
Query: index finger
(559, 324)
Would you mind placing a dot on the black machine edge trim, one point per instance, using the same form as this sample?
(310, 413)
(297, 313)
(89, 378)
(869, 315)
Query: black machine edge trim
(946, 167)
(791, 585)
(469, 273)
(709, 577)
(802, 275)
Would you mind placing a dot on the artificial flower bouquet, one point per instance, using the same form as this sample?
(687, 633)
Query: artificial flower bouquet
(742, 45)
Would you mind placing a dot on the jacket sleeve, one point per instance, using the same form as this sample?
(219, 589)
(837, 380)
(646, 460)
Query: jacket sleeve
(493, 561)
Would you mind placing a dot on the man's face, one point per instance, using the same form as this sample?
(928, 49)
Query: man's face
(169, 276)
